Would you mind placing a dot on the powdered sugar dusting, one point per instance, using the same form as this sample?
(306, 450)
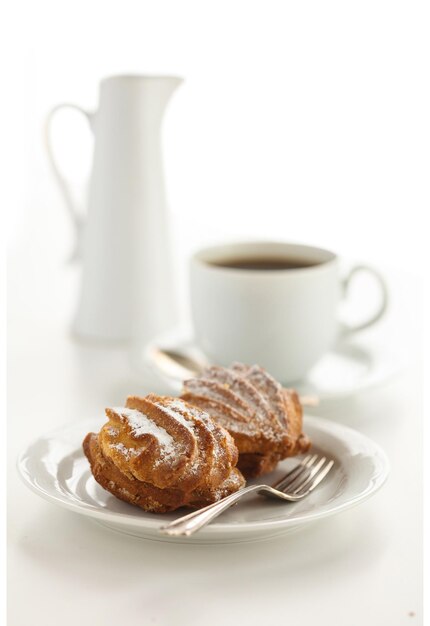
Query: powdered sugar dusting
(177, 407)
(173, 411)
(141, 424)
(127, 452)
(269, 387)
(242, 391)
(174, 408)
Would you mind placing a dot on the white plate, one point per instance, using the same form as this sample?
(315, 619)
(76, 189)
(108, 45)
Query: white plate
(55, 468)
(352, 366)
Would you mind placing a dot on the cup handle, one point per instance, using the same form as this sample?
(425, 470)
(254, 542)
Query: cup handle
(346, 283)
(74, 215)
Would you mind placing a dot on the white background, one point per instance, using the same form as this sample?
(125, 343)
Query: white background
(301, 120)
(304, 121)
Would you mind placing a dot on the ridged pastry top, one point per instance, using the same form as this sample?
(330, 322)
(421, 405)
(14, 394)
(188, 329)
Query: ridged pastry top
(166, 442)
(249, 403)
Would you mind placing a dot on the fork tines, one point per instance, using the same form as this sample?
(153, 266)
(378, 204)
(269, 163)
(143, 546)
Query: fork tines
(305, 476)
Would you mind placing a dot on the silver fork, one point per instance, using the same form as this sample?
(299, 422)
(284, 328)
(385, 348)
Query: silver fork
(294, 486)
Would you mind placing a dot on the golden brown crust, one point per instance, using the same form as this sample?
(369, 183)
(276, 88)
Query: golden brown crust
(160, 453)
(253, 465)
(264, 419)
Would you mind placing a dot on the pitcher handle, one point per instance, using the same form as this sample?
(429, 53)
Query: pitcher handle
(74, 215)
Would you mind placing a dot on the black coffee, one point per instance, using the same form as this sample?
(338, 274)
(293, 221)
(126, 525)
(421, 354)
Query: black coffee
(264, 263)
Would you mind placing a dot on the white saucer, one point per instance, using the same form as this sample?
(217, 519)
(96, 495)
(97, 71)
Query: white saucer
(352, 366)
(55, 468)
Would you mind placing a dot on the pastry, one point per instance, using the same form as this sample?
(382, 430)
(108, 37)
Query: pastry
(161, 453)
(264, 419)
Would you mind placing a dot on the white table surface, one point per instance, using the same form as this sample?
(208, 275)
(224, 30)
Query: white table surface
(360, 567)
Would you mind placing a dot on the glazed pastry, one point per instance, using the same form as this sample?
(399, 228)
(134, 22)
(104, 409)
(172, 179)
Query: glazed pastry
(264, 419)
(161, 453)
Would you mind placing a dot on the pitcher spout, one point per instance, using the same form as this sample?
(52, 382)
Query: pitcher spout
(165, 85)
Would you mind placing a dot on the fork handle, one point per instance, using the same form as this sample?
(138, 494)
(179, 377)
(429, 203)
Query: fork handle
(192, 522)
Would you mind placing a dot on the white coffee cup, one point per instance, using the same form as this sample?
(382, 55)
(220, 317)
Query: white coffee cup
(281, 319)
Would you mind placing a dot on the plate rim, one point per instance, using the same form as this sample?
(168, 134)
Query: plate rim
(379, 457)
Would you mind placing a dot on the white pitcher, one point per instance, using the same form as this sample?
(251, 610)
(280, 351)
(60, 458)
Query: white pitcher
(127, 286)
